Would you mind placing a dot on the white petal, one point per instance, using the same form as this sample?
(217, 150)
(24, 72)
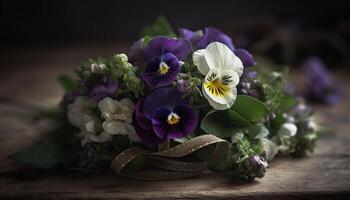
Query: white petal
(127, 103)
(200, 62)
(114, 127)
(90, 124)
(132, 133)
(232, 76)
(288, 129)
(221, 103)
(229, 79)
(78, 109)
(218, 55)
(108, 105)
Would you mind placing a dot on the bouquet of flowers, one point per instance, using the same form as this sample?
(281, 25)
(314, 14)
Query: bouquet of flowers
(174, 105)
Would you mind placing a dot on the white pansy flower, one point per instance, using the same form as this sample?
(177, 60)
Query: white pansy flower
(222, 69)
(118, 117)
(78, 109)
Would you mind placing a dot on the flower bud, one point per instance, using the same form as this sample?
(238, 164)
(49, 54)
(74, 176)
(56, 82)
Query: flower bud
(183, 86)
(253, 167)
(288, 129)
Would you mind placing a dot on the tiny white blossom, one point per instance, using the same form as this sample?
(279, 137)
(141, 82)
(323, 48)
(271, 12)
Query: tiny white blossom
(118, 117)
(78, 109)
(288, 129)
(97, 68)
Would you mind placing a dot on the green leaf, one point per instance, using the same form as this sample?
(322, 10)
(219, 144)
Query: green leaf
(287, 103)
(146, 40)
(160, 27)
(68, 84)
(242, 115)
(250, 108)
(224, 123)
(45, 155)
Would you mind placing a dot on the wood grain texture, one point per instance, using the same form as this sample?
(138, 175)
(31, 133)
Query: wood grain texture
(31, 77)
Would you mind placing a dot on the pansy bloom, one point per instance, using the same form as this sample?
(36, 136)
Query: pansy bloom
(222, 69)
(210, 35)
(164, 115)
(163, 55)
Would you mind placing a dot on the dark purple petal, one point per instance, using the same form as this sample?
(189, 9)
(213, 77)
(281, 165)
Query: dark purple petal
(214, 35)
(245, 56)
(140, 117)
(318, 76)
(136, 54)
(106, 88)
(160, 124)
(320, 85)
(161, 97)
(154, 78)
(186, 33)
(187, 122)
(161, 45)
(188, 119)
(147, 136)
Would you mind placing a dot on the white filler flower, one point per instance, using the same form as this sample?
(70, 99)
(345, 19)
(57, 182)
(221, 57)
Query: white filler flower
(222, 69)
(118, 117)
(78, 109)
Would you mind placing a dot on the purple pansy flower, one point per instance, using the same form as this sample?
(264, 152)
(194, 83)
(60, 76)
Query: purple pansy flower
(136, 54)
(163, 115)
(106, 88)
(215, 35)
(163, 55)
(143, 126)
(320, 85)
(191, 35)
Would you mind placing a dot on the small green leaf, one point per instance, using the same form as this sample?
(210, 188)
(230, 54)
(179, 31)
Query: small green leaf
(45, 155)
(250, 108)
(287, 103)
(68, 84)
(224, 123)
(160, 27)
(146, 40)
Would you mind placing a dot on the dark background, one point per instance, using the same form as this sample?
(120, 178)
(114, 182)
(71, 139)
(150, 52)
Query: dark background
(318, 27)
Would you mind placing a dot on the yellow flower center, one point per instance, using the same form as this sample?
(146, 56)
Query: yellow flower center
(163, 68)
(173, 119)
(217, 88)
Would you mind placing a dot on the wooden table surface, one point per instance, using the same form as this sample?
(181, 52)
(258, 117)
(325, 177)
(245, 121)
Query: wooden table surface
(29, 74)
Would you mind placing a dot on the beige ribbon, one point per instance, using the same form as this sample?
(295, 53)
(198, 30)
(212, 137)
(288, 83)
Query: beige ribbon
(171, 163)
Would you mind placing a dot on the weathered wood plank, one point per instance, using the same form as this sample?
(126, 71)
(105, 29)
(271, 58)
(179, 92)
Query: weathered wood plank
(324, 174)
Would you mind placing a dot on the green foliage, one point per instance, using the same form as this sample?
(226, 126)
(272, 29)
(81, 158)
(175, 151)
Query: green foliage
(160, 27)
(68, 84)
(44, 156)
(273, 85)
(241, 116)
(236, 154)
(250, 108)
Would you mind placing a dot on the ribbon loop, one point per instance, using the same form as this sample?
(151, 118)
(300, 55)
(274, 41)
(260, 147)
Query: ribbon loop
(169, 163)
